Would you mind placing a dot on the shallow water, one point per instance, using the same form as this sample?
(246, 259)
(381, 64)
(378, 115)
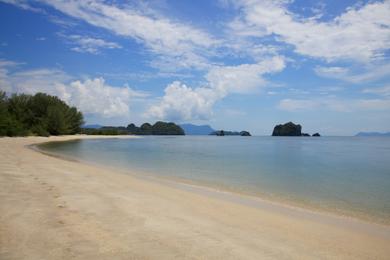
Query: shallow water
(349, 175)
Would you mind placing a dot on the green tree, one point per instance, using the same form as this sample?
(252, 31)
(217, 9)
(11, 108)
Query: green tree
(55, 120)
(40, 114)
(75, 120)
(4, 115)
(146, 129)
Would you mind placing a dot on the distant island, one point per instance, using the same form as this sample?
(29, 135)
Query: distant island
(93, 126)
(223, 133)
(290, 129)
(158, 128)
(372, 134)
(190, 129)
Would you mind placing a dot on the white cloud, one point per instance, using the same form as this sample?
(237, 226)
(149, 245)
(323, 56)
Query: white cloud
(244, 78)
(160, 35)
(175, 45)
(382, 91)
(295, 104)
(94, 96)
(91, 96)
(335, 72)
(7, 63)
(181, 102)
(361, 33)
(184, 103)
(334, 104)
(374, 104)
(89, 44)
(23, 4)
(368, 73)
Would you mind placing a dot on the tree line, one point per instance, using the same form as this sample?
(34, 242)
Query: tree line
(158, 128)
(39, 114)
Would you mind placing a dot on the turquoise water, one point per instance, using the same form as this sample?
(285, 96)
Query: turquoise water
(350, 175)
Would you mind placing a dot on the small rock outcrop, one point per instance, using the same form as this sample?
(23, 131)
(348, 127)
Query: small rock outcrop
(316, 135)
(288, 129)
(245, 133)
(305, 134)
(235, 133)
(220, 133)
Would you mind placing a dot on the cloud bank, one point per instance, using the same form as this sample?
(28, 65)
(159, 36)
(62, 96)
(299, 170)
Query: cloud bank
(91, 96)
(362, 33)
(182, 103)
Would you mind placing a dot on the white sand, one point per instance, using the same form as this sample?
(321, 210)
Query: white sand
(56, 209)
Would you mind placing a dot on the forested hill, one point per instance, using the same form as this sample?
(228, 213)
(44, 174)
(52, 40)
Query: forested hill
(158, 128)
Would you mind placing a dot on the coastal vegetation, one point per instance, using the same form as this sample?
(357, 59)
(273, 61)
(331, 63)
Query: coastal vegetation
(39, 114)
(105, 130)
(159, 128)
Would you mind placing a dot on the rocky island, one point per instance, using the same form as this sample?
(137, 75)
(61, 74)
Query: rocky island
(290, 129)
(223, 133)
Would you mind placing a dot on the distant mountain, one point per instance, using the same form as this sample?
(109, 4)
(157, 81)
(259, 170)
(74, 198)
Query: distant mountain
(92, 126)
(191, 129)
(372, 134)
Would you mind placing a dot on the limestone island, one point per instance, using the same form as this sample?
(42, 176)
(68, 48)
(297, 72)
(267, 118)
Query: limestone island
(290, 129)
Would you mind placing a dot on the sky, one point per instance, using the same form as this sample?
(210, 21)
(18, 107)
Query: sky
(233, 64)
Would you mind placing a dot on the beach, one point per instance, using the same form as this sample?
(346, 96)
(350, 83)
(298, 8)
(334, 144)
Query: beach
(51, 208)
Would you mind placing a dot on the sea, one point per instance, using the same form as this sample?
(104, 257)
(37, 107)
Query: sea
(348, 176)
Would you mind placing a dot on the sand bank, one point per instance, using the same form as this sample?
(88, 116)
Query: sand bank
(56, 209)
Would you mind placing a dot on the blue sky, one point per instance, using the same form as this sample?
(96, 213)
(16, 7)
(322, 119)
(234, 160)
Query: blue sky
(242, 64)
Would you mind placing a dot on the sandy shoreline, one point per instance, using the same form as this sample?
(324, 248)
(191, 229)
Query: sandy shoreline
(56, 209)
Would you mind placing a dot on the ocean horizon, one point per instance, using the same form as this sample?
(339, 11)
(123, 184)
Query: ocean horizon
(343, 175)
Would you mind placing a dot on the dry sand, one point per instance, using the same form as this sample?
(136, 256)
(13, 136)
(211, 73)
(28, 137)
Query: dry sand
(56, 209)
